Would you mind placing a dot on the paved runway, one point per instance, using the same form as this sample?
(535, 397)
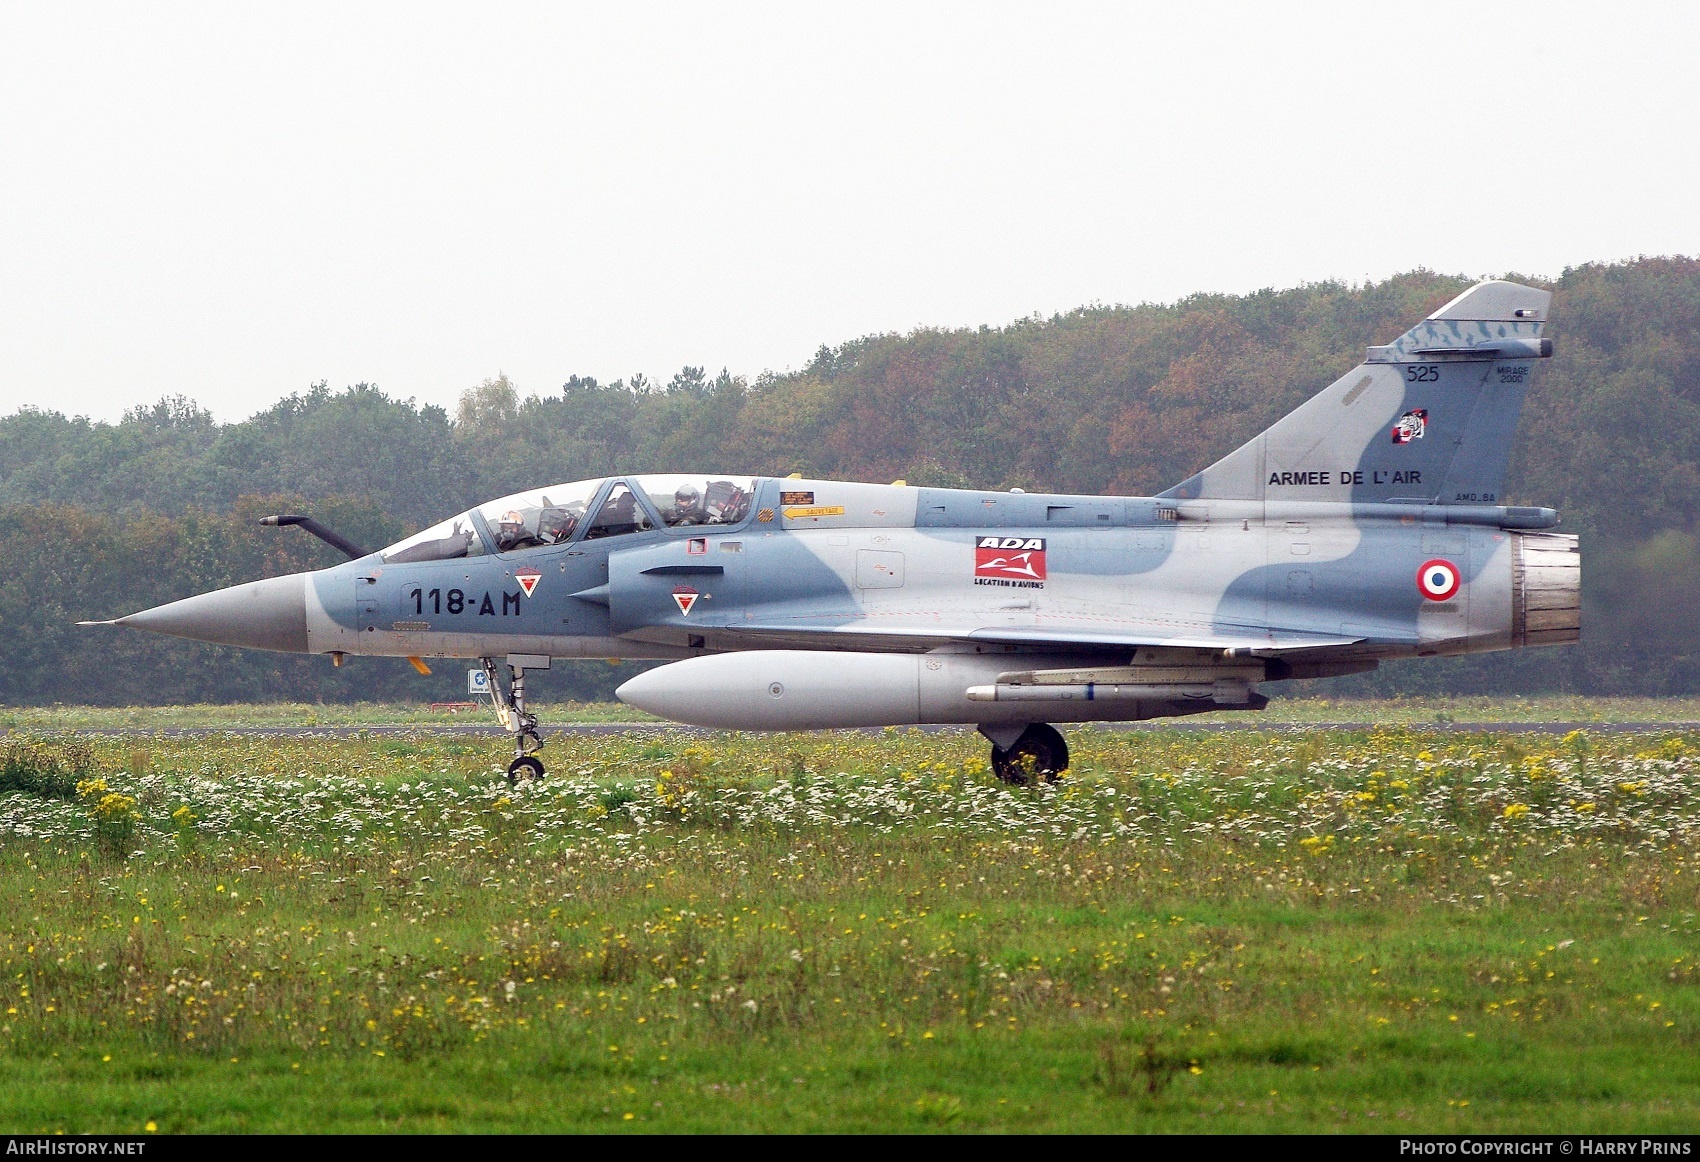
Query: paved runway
(603, 728)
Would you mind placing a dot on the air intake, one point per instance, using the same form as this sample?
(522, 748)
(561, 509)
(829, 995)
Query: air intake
(1546, 590)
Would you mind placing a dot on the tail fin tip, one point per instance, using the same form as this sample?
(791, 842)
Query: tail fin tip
(1496, 301)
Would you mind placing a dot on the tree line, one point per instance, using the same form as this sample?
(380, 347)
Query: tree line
(99, 519)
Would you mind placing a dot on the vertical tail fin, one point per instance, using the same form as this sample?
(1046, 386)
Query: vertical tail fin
(1428, 417)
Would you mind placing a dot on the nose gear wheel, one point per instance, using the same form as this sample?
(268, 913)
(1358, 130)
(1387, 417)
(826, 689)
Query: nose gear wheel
(525, 769)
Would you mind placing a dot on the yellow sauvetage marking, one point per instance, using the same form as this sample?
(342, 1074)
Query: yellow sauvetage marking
(818, 510)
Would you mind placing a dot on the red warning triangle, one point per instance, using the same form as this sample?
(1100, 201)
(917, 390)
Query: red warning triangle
(528, 579)
(686, 597)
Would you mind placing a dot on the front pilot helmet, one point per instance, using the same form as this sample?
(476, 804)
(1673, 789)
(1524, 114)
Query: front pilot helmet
(687, 496)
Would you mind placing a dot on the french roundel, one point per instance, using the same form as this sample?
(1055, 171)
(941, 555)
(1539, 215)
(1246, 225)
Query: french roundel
(1438, 579)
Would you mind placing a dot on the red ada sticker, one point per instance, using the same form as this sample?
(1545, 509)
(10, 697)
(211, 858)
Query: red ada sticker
(685, 597)
(1010, 558)
(528, 579)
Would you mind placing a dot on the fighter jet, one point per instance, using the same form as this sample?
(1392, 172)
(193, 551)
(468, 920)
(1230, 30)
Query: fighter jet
(1366, 525)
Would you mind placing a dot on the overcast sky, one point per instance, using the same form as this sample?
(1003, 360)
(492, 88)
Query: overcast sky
(234, 201)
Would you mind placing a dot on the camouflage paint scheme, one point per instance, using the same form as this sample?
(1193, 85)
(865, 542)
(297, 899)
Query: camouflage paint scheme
(1296, 555)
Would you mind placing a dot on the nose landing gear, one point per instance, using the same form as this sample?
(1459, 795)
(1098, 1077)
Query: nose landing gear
(1022, 755)
(510, 709)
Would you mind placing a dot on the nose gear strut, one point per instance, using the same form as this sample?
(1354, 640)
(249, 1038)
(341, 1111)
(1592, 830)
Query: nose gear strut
(510, 709)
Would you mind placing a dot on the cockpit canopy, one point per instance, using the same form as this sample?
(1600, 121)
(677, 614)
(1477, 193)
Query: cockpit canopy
(553, 516)
(545, 516)
(441, 542)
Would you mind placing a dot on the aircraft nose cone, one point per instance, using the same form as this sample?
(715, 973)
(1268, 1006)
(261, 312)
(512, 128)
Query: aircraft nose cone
(262, 615)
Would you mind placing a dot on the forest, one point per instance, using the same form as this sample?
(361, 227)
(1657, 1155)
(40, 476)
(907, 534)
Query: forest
(99, 519)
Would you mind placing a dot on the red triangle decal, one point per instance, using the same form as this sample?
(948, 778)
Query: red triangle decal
(528, 579)
(685, 599)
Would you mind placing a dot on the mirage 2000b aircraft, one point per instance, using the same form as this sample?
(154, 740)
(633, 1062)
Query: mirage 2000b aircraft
(1365, 525)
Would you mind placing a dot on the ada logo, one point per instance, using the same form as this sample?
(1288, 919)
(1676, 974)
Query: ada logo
(528, 579)
(1411, 426)
(1010, 561)
(1437, 580)
(686, 598)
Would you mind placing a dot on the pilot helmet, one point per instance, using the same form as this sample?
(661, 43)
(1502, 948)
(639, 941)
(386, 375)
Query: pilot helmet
(687, 496)
(512, 522)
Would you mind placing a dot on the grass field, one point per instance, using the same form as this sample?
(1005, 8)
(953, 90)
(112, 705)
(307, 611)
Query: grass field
(293, 714)
(1426, 711)
(1389, 931)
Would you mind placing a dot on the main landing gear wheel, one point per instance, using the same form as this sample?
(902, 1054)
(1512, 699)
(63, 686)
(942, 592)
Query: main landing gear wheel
(1039, 753)
(525, 769)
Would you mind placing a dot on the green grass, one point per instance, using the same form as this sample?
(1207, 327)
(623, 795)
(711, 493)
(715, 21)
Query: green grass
(1472, 709)
(290, 714)
(1282, 711)
(1386, 932)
